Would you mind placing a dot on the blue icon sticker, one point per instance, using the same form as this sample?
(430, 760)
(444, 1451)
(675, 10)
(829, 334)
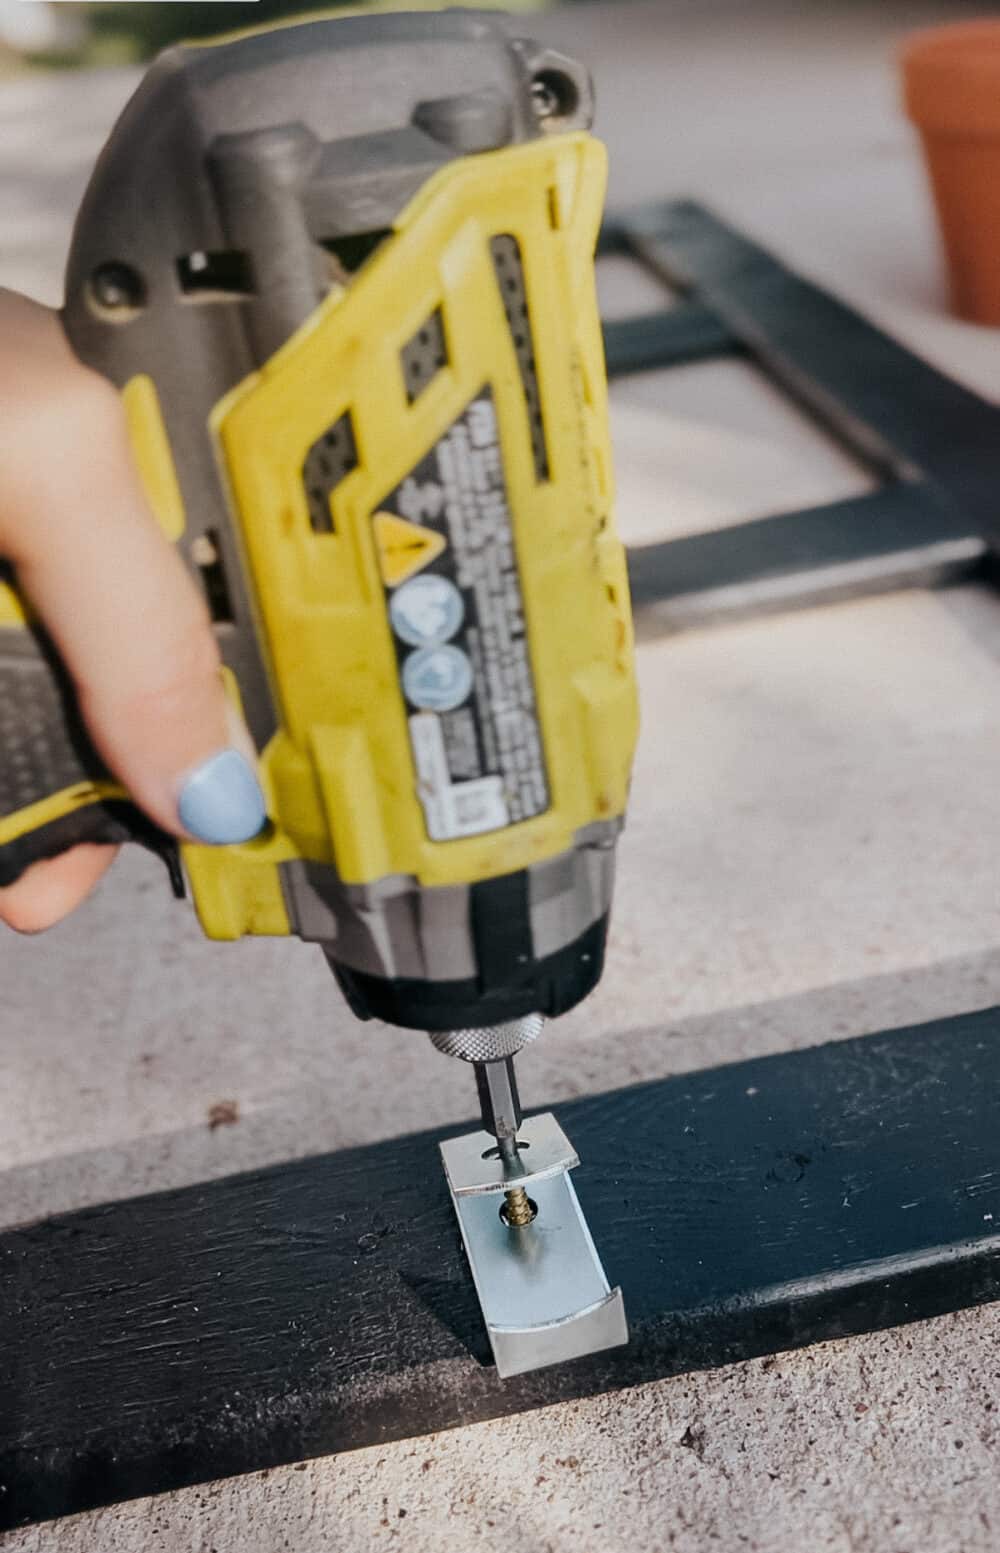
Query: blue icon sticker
(437, 679)
(426, 610)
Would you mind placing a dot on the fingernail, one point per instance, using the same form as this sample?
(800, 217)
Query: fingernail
(221, 801)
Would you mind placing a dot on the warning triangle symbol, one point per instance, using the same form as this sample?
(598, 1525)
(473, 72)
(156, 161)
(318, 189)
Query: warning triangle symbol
(404, 548)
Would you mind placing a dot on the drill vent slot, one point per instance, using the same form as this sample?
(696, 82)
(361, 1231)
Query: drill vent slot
(351, 252)
(206, 553)
(330, 459)
(506, 254)
(216, 277)
(424, 355)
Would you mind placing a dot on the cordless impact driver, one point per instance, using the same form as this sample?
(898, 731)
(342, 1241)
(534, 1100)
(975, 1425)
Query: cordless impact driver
(342, 274)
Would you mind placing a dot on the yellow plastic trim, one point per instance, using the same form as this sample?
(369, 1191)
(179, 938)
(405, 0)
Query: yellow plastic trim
(152, 454)
(237, 889)
(340, 771)
(55, 806)
(404, 548)
(12, 611)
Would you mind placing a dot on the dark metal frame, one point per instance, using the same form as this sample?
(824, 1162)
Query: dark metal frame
(933, 446)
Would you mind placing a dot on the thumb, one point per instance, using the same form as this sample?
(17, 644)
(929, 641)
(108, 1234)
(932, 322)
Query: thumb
(127, 619)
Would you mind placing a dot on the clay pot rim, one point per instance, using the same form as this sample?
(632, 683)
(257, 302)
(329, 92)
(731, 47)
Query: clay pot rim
(952, 78)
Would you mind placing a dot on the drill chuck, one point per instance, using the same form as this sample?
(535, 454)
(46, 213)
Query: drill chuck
(491, 1049)
(489, 1043)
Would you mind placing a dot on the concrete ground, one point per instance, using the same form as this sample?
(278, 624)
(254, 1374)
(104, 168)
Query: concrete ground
(808, 858)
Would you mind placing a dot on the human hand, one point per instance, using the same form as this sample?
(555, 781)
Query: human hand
(117, 601)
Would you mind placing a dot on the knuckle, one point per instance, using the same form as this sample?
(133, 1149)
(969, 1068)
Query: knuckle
(186, 672)
(194, 656)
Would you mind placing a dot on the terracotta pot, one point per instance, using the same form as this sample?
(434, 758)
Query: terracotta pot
(952, 88)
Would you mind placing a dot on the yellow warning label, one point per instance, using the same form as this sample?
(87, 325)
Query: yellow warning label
(404, 548)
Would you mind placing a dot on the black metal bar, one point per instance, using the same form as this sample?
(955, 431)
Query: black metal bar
(612, 239)
(871, 391)
(934, 443)
(900, 536)
(668, 338)
(325, 1304)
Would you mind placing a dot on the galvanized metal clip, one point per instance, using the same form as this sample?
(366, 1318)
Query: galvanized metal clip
(541, 1286)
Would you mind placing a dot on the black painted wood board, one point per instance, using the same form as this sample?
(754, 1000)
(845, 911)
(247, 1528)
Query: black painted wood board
(325, 1304)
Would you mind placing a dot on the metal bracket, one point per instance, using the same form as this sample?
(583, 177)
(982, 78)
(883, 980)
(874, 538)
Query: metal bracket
(542, 1289)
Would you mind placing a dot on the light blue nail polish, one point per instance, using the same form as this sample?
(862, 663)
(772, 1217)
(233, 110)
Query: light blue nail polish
(221, 801)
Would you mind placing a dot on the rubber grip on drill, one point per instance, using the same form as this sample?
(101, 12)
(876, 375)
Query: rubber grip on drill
(48, 763)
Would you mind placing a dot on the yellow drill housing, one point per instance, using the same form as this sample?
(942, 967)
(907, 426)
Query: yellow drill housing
(363, 366)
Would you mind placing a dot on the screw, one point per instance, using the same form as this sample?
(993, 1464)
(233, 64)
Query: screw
(543, 99)
(517, 1209)
(117, 287)
(554, 95)
(203, 551)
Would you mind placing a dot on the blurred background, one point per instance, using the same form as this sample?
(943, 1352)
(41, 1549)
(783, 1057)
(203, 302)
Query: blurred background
(35, 34)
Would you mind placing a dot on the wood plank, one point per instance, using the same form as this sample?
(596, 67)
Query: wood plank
(324, 1304)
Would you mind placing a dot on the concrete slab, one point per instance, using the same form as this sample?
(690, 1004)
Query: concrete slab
(808, 857)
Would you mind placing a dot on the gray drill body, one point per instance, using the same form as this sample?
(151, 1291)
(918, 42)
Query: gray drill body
(271, 153)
